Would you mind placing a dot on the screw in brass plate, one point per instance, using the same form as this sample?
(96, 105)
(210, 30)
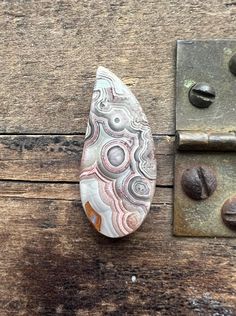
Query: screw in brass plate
(202, 95)
(232, 64)
(228, 213)
(198, 182)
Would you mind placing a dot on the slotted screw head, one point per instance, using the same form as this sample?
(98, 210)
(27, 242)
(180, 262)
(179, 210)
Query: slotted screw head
(228, 213)
(232, 64)
(198, 182)
(202, 95)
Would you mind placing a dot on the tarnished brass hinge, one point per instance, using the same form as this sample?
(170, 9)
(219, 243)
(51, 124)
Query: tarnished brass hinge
(205, 162)
(203, 141)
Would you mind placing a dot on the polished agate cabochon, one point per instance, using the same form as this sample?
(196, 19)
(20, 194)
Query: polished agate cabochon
(118, 167)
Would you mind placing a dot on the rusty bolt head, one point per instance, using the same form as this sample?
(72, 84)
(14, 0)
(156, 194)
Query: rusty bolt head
(228, 213)
(202, 95)
(232, 64)
(198, 182)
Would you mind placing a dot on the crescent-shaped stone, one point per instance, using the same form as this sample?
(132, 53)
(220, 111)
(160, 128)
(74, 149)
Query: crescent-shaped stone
(118, 166)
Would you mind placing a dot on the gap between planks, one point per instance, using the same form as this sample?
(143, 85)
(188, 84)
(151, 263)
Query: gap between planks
(50, 158)
(62, 191)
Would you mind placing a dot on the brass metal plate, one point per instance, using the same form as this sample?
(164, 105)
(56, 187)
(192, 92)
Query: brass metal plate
(203, 218)
(205, 61)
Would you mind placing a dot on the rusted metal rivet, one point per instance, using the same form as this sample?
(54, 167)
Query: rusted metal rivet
(202, 95)
(228, 213)
(198, 182)
(232, 64)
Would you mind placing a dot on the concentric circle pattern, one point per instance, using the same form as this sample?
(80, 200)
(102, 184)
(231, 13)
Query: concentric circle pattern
(118, 167)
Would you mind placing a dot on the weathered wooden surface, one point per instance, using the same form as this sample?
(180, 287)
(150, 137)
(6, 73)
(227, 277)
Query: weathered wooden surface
(56, 158)
(52, 262)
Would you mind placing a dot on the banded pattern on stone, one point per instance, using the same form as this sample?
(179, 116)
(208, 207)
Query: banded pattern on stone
(118, 167)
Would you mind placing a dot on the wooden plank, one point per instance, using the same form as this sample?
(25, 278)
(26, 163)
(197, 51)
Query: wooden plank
(52, 262)
(57, 158)
(62, 191)
(50, 51)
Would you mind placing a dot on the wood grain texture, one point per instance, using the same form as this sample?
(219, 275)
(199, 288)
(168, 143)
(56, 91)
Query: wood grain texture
(51, 49)
(52, 262)
(57, 158)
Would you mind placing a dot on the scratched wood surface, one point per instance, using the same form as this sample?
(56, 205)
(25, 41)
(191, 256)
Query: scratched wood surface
(52, 262)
